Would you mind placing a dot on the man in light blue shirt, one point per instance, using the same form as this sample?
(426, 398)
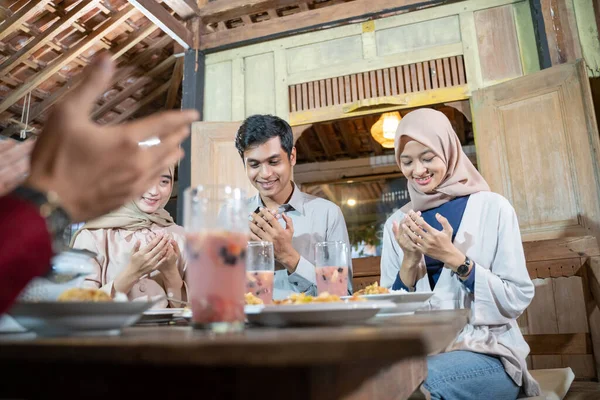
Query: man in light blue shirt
(280, 213)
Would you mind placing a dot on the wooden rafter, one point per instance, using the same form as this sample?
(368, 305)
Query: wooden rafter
(119, 98)
(41, 40)
(217, 11)
(134, 39)
(346, 131)
(323, 140)
(15, 21)
(131, 89)
(304, 21)
(119, 75)
(107, 26)
(304, 149)
(165, 21)
(156, 93)
(175, 84)
(329, 192)
(184, 8)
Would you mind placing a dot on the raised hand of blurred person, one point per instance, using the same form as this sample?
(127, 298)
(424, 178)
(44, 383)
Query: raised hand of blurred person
(94, 169)
(14, 163)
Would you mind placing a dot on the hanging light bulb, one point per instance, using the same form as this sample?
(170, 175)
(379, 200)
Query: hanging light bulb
(384, 130)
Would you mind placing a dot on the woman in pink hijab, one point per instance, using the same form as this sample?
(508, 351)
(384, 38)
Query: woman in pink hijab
(461, 241)
(139, 248)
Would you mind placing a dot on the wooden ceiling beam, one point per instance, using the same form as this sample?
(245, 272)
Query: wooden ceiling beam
(121, 73)
(165, 21)
(133, 39)
(321, 18)
(323, 140)
(329, 192)
(156, 93)
(346, 131)
(184, 8)
(39, 41)
(106, 27)
(120, 97)
(15, 21)
(217, 11)
(303, 148)
(175, 84)
(131, 89)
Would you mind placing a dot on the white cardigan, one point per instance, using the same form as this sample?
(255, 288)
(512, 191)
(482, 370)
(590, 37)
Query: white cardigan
(489, 235)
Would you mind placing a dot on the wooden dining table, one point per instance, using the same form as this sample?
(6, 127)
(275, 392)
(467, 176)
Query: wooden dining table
(384, 358)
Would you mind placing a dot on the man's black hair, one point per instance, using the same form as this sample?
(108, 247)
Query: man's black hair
(258, 129)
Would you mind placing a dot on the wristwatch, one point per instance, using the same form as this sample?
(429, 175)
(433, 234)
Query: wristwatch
(48, 205)
(464, 268)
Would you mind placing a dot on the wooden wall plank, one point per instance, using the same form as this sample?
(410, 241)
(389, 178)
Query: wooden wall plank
(571, 313)
(567, 247)
(560, 344)
(564, 267)
(426, 75)
(530, 61)
(433, 74)
(462, 79)
(361, 86)
(373, 79)
(367, 82)
(336, 91)
(346, 89)
(440, 73)
(401, 81)
(293, 100)
(447, 71)
(317, 90)
(299, 102)
(259, 84)
(497, 43)
(420, 78)
(354, 87)
(454, 70)
(387, 87)
(329, 92)
(470, 50)
(413, 78)
(305, 96)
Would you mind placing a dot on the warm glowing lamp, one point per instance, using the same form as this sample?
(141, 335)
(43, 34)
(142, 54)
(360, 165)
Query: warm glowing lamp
(384, 130)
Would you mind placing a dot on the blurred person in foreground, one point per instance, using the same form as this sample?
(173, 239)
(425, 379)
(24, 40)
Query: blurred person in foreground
(79, 171)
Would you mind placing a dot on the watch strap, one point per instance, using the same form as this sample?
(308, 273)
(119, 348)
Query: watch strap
(48, 205)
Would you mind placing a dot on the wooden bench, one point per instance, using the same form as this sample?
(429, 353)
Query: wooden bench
(562, 324)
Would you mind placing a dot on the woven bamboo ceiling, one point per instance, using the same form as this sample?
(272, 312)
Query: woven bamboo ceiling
(44, 45)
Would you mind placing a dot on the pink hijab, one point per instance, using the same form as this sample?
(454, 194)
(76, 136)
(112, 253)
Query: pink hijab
(432, 128)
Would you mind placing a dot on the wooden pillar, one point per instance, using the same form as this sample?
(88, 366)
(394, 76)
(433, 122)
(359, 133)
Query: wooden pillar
(540, 34)
(556, 31)
(192, 97)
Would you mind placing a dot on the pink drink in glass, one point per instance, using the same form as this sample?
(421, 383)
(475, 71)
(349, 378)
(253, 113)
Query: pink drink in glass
(260, 284)
(333, 280)
(216, 269)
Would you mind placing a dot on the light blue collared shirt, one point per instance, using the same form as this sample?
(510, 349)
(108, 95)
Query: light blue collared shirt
(315, 220)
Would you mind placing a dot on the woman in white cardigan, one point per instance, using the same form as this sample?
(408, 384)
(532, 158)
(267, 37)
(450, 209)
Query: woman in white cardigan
(462, 241)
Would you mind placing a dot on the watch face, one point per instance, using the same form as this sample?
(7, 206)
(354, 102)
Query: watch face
(462, 270)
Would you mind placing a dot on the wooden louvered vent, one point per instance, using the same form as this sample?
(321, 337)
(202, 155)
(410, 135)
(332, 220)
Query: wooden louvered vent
(410, 78)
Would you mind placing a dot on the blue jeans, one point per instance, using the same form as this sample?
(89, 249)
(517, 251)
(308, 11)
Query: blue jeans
(464, 375)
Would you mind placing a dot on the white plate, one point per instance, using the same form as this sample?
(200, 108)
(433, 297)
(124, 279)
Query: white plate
(315, 313)
(156, 315)
(162, 312)
(405, 302)
(76, 318)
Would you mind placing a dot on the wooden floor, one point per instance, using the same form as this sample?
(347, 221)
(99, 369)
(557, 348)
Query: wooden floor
(583, 391)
